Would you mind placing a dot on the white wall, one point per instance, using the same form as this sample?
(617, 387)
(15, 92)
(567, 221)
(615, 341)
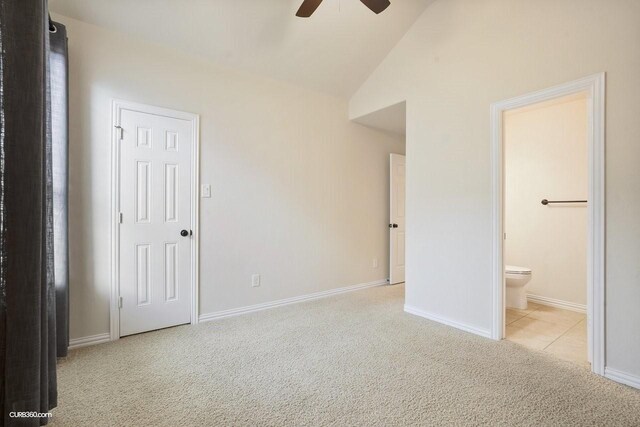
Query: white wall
(300, 194)
(459, 57)
(545, 157)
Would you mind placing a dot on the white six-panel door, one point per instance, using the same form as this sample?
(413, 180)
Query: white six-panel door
(155, 224)
(397, 218)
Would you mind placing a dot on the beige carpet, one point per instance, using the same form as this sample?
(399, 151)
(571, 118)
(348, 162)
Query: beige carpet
(354, 359)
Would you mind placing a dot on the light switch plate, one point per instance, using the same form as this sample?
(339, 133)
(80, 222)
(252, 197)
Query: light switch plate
(206, 190)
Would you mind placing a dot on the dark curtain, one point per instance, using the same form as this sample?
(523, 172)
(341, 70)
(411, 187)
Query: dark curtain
(32, 211)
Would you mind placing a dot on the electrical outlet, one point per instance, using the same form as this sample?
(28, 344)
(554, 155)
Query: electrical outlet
(374, 264)
(255, 280)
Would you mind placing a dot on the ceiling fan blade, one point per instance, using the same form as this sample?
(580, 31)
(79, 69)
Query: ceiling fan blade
(376, 6)
(307, 8)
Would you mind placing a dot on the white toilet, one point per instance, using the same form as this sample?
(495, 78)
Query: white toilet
(517, 279)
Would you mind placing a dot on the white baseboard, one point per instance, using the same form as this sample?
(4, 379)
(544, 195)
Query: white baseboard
(90, 340)
(208, 317)
(580, 308)
(622, 377)
(106, 337)
(436, 318)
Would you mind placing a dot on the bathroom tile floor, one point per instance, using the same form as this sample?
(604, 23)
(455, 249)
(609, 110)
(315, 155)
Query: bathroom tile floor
(562, 333)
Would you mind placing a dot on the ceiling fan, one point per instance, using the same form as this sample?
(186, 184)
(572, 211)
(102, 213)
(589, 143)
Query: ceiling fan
(309, 6)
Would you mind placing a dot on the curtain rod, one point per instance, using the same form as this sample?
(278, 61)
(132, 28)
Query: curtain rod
(52, 27)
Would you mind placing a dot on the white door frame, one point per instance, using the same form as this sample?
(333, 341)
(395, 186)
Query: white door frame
(594, 86)
(117, 107)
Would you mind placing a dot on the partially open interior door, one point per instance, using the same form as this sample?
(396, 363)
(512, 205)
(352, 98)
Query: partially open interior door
(397, 218)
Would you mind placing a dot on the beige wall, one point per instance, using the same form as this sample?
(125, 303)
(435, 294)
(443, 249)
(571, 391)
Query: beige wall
(459, 57)
(300, 194)
(545, 157)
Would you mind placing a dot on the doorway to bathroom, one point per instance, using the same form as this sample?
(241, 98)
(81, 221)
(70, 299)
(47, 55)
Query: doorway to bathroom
(548, 215)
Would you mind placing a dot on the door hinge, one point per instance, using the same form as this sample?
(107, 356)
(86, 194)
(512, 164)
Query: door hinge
(120, 132)
(504, 236)
(119, 302)
(120, 217)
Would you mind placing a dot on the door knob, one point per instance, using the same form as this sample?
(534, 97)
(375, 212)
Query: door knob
(393, 225)
(184, 233)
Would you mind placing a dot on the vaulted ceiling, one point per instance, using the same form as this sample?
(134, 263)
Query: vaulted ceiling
(333, 51)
